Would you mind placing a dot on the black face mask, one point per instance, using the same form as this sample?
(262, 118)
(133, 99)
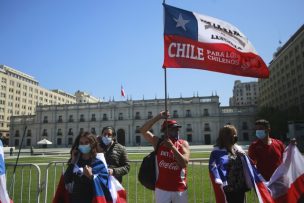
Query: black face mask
(235, 139)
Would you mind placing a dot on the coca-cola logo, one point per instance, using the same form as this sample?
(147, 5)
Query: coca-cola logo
(171, 166)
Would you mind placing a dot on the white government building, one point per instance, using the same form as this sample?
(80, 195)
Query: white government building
(200, 117)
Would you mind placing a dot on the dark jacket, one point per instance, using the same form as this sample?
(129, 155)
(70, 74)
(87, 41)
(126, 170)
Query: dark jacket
(117, 159)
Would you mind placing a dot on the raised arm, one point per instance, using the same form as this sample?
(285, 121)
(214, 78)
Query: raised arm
(149, 136)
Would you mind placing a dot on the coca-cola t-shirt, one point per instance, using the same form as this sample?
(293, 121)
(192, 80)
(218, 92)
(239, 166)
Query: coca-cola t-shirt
(171, 176)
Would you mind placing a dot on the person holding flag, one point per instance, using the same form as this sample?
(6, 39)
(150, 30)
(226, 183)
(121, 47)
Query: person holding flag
(266, 152)
(172, 159)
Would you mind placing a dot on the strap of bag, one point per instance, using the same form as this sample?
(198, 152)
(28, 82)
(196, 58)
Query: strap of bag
(157, 145)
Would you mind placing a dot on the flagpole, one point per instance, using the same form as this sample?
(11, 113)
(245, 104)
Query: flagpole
(166, 100)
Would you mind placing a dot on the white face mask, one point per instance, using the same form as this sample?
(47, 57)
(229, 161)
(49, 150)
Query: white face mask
(106, 140)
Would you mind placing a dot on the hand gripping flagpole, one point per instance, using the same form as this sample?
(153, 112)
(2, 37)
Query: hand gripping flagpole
(15, 166)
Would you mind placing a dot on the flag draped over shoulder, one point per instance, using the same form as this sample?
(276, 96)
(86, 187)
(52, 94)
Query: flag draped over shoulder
(106, 188)
(192, 40)
(4, 198)
(218, 173)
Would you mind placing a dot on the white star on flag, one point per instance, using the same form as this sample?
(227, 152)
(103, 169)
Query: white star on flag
(180, 22)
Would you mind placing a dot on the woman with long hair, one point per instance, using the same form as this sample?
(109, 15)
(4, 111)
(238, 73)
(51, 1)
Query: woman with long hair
(86, 176)
(226, 169)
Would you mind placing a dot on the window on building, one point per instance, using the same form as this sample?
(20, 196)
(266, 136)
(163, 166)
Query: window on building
(137, 129)
(70, 131)
(206, 112)
(120, 116)
(81, 130)
(93, 118)
(104, 117)
(245, 137)
(59, 132)
(17, 134)
(188, 113)
(45, 119)
(244, 126)
(189, 137)
(28, 142)
(206, 127)
(71, 119)
(189, 128)
(29, 133)
(81, 118)
(17, 143)
(93, 131)
(150, 114)
(59, 141)
(60, 119)
(175, 114)
(137, 139)
(70, 140)
(137, 115)
(44, 132)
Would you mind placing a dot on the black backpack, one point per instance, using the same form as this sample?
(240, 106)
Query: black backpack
(147, 170)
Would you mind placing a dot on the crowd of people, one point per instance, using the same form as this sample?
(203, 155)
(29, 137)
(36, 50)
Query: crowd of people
(93, 159)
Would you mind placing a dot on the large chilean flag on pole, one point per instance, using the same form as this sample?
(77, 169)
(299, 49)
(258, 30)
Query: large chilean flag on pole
(197, 41)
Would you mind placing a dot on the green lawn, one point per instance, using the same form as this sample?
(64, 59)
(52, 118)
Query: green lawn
(198, 180)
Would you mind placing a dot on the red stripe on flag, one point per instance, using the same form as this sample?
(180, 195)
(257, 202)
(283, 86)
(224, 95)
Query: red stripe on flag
(294, 192)
(182, 52)
(218, 191)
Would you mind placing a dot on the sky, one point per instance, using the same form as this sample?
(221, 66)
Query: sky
(97, 46)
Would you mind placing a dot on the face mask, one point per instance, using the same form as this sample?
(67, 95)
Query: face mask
(106, 140)
(260, 134)
(84, 148)
(174, 135)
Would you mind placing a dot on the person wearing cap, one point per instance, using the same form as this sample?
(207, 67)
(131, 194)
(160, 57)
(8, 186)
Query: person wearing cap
(115, 154)
(172, 159)
(266, 152)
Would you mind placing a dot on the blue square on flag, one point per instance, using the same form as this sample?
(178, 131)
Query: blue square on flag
(180, 22)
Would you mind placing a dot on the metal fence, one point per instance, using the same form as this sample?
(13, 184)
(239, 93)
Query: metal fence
(27, 184)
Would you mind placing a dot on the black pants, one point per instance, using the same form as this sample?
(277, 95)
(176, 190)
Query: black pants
(235, 197)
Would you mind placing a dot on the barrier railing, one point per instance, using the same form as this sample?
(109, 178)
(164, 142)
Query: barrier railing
(199, 184)
(24, 184)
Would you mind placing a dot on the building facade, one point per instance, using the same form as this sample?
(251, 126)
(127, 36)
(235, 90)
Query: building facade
(244, 94)
(285, 86)
(83, 97)
(20, 94)
(200, 117)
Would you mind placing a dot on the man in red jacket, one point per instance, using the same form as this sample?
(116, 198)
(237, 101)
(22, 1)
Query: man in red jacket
(266, 152)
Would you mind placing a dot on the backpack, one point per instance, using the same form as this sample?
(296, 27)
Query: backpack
(147, 170)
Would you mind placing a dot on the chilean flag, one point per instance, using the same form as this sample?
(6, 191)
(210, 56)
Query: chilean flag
(218, 173)
(192, 40)
(122, 91)
(117, 192)
(4, 198)
(287, 182)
